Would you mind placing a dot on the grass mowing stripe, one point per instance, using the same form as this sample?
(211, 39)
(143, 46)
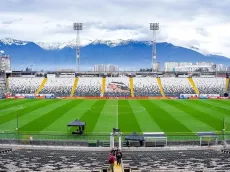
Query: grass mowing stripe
(203, 117)
(21, 112)
(18, 107)
(186, 119)
(143, 117)
(30, 116)
(75, 113)
(127, 121)
(47, 119)
(164, 119)
(108, 117)
(213, 110)
(8, 101)
(13, 104)
(92, 115)
(218, 106)
(226, 102)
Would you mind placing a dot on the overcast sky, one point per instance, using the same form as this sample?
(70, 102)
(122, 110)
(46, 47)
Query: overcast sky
(204, 24)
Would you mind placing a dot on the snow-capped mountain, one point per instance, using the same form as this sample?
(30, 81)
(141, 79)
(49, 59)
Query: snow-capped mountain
(112, 43)
(72, 44)
(9, 41)
(49, 46)
(127, 53)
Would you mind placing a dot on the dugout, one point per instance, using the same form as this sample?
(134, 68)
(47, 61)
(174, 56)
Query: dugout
(135, 137)
(80, 126)
(158, 139)
(207, 138)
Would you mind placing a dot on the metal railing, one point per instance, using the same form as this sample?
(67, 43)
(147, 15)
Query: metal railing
(103, 140)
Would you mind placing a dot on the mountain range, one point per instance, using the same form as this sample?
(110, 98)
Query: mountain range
(124, 53)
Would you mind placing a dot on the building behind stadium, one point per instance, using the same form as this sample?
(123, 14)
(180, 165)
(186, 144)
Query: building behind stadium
(193, 67)
(4, 61)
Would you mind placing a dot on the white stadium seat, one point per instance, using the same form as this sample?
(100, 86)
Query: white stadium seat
(88, 86)
(114, 87)
(176, 86)
(22, 85)
(58, 86)
(146, 86)
(210, 85)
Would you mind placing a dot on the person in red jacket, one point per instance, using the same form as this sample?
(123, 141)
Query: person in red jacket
(112, 159)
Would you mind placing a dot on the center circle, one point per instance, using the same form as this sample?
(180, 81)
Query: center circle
(112, 110)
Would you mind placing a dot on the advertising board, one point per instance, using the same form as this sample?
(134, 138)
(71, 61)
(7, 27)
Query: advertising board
(188, 96)
(20, 97)
(50, 97)
(10, 97)
(30, 97)
(209, 96)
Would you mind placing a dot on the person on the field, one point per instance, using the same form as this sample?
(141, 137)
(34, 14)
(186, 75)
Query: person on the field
(111, 162)
(119, 156)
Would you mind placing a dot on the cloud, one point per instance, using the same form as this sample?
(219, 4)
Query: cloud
(7, 22)
(11, 21)
(194, 23)
(202, 32)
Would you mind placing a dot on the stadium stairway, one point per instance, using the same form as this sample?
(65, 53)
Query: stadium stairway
(192, 83)
(117, 168)
(227, 85)
(131, 86)
(160, 87)
(41, 86)
(74, 87)
(103, 86)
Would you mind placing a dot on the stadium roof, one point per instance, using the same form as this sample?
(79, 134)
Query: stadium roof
(134, 136)
(76, 123)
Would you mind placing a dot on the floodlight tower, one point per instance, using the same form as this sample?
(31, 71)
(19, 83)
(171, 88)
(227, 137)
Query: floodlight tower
(77, 27)
(154, 27)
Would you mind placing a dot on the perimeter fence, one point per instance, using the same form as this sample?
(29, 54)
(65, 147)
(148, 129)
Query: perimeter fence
(103, 139)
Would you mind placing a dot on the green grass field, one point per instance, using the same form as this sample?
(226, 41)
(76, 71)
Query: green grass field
(169, 116)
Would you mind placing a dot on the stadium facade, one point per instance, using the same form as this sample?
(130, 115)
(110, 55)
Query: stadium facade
(5, 64)
(190, 67)
(105, 68)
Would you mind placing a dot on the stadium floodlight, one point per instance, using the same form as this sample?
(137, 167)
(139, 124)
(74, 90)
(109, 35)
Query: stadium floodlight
(154, 27)
(77, 27)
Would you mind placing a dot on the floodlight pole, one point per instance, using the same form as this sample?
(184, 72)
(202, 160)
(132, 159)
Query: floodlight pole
(77, 27)
(154, 27)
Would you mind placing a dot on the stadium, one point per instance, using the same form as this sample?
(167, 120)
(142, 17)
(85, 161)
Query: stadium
(111, 120)
(133, 111)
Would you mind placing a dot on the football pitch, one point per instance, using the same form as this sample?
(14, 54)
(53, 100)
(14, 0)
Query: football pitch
(101, 116)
